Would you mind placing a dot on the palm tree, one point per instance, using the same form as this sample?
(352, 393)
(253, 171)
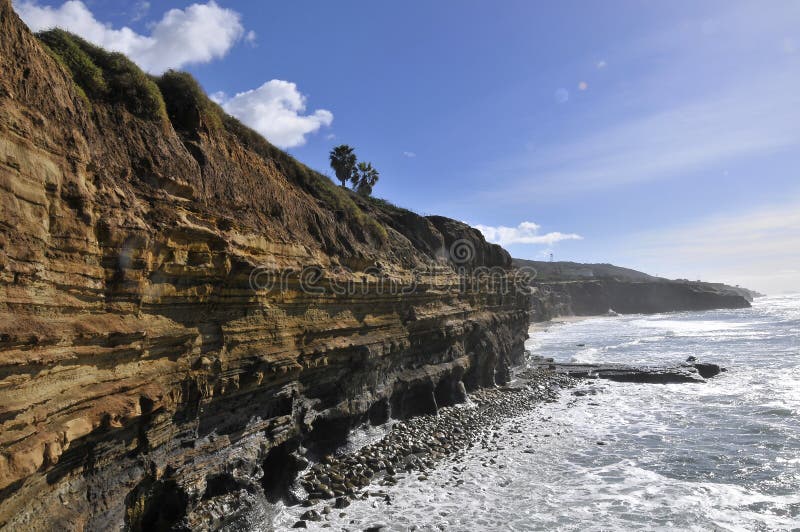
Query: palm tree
(365, 178)
(343, 162)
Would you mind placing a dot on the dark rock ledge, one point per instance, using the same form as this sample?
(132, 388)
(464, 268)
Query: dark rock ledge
(417, 445)
(688, 372)
(410, 448)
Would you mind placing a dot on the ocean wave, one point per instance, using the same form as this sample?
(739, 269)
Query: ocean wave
(717, 456)
(586, 356)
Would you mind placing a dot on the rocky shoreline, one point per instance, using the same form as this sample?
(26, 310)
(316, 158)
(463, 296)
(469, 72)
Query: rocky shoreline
(415, 445)
(410, 449)
(185, 305)
(328, 484)
(186, 308)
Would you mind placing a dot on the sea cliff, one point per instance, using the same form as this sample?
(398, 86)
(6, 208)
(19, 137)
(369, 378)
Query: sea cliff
(572, 289)
(182, 305)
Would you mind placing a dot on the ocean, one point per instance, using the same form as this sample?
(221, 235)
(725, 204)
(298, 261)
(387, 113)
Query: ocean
(724, 455)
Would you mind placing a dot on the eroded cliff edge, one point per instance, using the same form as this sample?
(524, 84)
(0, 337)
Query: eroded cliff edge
(573, 289)
(142, 371)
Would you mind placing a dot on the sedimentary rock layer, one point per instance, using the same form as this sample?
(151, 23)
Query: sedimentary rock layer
(181, 302)
(598, 296)
(575, 289)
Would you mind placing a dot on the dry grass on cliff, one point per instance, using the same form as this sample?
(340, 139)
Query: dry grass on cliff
(188, 105)
(387, 206)
(105, 76)
(187, 102)
(335, 197)
(177, 98)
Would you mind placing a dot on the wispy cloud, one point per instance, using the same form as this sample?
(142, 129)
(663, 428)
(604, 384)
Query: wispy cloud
(772, 231)
(684, 138)
(689, 96)
(409, 154)
(140, 10)
(561, 95)
(755, 247)
(197, 34)
(524, 233)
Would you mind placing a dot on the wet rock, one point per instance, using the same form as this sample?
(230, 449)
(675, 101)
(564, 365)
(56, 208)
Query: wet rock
(707, 370)
(625, 373)
(415, 445)
(311, 515)
(341, 502)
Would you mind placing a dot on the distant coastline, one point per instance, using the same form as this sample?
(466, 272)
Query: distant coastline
(574, 289)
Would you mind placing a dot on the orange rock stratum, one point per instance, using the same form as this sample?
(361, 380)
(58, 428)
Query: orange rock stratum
(137, 358)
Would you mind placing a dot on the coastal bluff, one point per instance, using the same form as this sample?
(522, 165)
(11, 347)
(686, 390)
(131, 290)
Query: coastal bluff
(574, 289)
(159, 342)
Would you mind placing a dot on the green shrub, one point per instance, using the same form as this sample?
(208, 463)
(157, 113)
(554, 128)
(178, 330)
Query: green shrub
(184, 97)
(84, 71)
(387, 206)
(106, 76)
(128, 85)
(60, 60)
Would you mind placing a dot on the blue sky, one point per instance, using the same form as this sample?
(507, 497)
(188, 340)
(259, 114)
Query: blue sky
(657, 135)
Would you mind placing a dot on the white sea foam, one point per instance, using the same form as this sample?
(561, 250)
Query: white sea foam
(586, 355)
(690, 327)
(718, 456)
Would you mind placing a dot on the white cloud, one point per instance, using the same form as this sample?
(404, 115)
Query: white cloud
(524, 233)
(601, 64)
(197, 34)
(409, 154)
(275, 110)
(218, 97)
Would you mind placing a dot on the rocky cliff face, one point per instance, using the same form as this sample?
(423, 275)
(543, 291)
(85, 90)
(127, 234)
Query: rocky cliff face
(575, 289)
(182, 305)
(597, 297)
